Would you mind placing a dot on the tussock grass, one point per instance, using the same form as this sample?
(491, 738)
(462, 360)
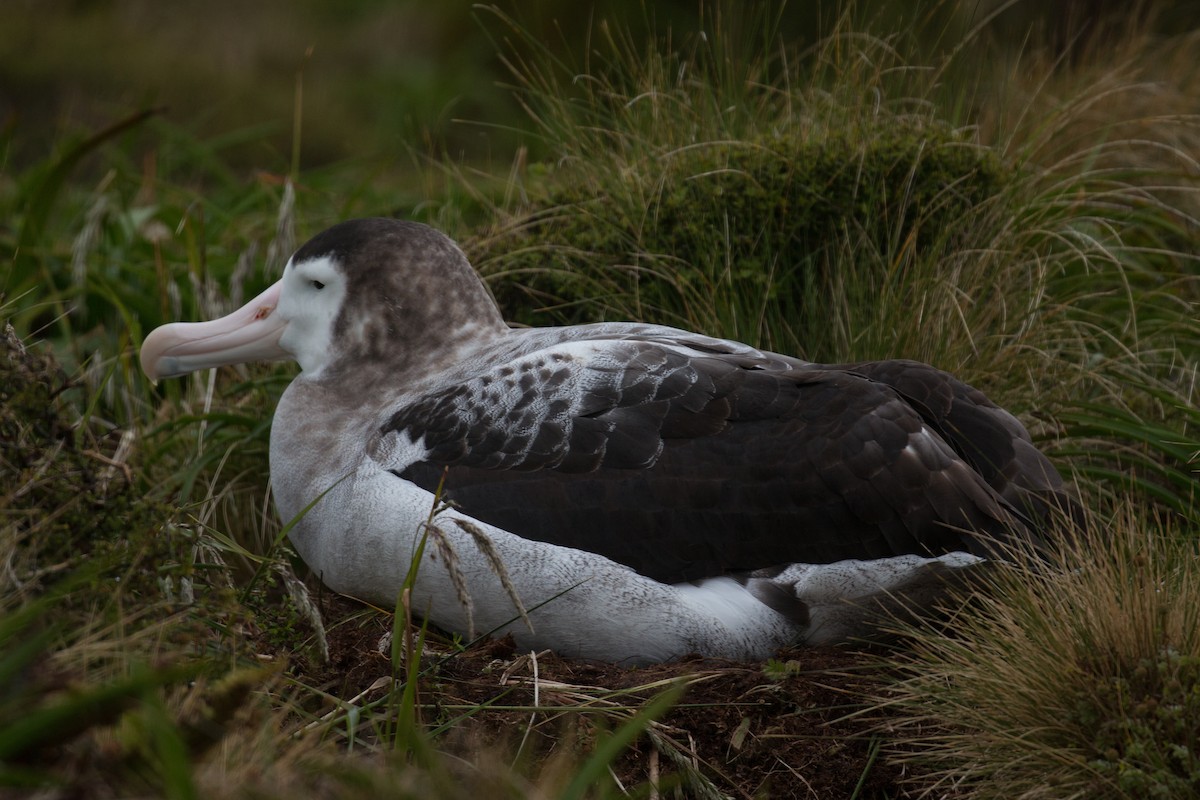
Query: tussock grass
(1081, 680)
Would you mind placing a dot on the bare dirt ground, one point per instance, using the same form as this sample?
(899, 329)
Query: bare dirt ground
(800, 728)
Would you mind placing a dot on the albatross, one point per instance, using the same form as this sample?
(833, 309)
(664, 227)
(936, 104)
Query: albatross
(644, 491)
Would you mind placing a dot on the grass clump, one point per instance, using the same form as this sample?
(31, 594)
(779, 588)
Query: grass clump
(1079, 681)
(766, 194)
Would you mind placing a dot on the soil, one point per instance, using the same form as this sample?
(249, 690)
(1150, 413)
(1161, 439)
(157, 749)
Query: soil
(800, 726)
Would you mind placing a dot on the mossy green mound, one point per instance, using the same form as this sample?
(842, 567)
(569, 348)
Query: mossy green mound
(771, 218)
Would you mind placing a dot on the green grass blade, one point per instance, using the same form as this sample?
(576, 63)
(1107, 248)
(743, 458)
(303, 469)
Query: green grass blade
(66, 718)
(593, 771)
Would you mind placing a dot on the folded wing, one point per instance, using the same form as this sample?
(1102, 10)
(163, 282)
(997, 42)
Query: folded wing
(684, 461)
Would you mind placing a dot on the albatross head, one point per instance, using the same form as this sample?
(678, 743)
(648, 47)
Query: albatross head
(362, 292)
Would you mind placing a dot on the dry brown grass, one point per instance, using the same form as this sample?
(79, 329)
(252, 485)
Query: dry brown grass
(1073, 680)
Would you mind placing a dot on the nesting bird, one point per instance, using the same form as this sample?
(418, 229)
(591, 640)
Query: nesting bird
(650, 492)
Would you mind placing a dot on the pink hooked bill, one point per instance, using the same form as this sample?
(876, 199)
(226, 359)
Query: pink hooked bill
(249, 334)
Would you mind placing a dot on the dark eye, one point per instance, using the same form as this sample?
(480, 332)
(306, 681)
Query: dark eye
(317, 285)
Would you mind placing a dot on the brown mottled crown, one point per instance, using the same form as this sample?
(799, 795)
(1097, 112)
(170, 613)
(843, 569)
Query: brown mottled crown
(410, 291)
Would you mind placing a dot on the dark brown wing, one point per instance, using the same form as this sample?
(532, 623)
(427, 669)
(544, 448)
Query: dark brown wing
(684, 466)
(986, 436)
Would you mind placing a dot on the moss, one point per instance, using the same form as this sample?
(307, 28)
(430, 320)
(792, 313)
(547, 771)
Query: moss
(67, 507)
(285, 620)
(771, 214)
(1147, 726)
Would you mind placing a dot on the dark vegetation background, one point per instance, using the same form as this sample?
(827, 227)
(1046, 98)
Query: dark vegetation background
(383, 77)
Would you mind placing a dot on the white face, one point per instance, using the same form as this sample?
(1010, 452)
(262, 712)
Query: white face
(309, 303)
